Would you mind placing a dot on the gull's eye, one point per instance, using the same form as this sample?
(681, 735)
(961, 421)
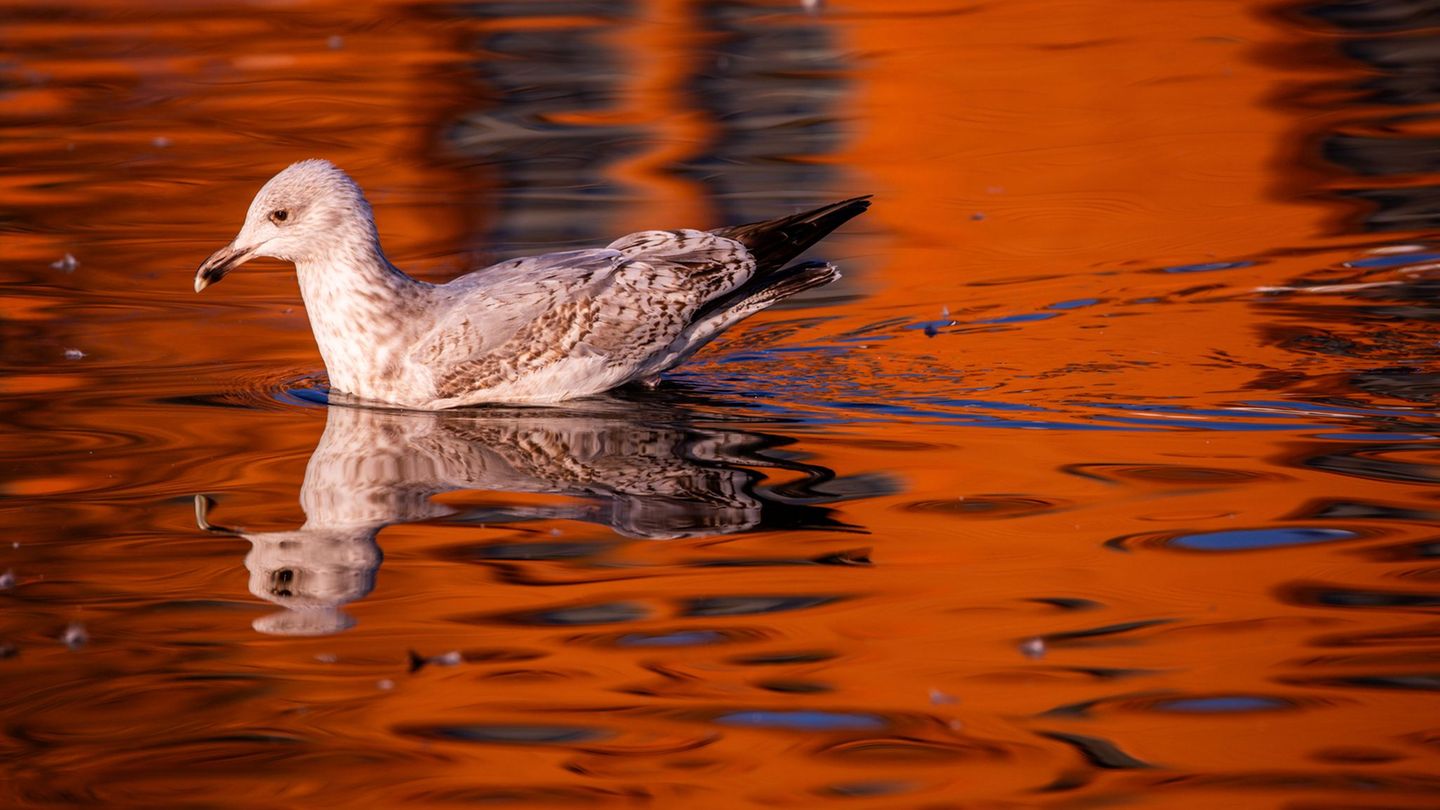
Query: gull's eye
(279, 215)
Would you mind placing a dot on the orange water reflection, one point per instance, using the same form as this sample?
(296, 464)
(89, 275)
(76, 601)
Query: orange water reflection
(1059, 500)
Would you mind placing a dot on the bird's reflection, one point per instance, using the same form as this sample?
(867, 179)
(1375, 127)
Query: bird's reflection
(646, 470)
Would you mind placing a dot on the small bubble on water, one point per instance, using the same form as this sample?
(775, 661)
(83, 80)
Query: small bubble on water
(326, 658)
(74, 354)
(75, 636)
(939, 698)
(385, 684)
(65, 264)
(7, 580)
(160, 141)
(448, 659)
(813, 6)
(1033, 648)
(335, 42)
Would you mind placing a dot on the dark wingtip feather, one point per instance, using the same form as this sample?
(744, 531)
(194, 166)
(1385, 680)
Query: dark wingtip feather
(775, 242)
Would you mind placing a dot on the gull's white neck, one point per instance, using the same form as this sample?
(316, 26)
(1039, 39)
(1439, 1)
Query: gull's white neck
(361, 309)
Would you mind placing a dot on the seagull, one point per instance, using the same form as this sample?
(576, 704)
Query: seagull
(537, 329)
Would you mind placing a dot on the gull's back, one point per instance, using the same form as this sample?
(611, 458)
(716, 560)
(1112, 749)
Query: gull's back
(564, 325)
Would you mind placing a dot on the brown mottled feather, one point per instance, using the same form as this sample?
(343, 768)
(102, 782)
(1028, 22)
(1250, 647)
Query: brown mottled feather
(536, 329)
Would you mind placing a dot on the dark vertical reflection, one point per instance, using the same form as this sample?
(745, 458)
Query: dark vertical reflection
(768, 86)
(1388, 641)
(1369, 136)
(553, 184)
(774, 89)
(1384, 155)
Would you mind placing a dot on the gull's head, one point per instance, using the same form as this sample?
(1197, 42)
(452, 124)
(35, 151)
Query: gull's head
(305, 212)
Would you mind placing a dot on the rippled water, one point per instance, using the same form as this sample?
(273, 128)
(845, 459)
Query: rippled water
(1105, 477)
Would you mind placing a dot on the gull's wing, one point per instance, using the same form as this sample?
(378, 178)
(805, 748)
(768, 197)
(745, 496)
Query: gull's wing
(484, 311)
(620, 306)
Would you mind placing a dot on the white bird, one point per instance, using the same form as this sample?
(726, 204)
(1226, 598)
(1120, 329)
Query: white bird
(535, 329)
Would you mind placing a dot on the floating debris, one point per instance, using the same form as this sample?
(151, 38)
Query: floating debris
(932, 328)
(449, 659)
(977, 217)
(160, 141)
(7, 580)
(75, 636)
(385, 684)
(8, 651)
(326, 658)
(1033, 648)
(65, 264)
(74, 354)
(335, 42)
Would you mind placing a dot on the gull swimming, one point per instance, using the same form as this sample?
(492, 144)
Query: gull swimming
(537, 329)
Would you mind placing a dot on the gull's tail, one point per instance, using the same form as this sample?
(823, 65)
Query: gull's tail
(775, 242)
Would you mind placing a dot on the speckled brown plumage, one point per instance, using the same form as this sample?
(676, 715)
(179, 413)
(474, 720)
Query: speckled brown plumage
(536, 329)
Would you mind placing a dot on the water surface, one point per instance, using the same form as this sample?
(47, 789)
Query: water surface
(1106, 476)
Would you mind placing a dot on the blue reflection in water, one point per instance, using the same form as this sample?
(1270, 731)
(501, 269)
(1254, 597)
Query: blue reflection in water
(1076, 303)
(1247, 539)
(1396, 260)
(1229, 703)
(803, 720)
(682, 638)
(1029, 316)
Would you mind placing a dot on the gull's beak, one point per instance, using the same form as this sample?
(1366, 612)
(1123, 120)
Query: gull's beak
(221, 262)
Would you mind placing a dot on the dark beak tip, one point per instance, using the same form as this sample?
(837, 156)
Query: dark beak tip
(206, 276)
(220, 262)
